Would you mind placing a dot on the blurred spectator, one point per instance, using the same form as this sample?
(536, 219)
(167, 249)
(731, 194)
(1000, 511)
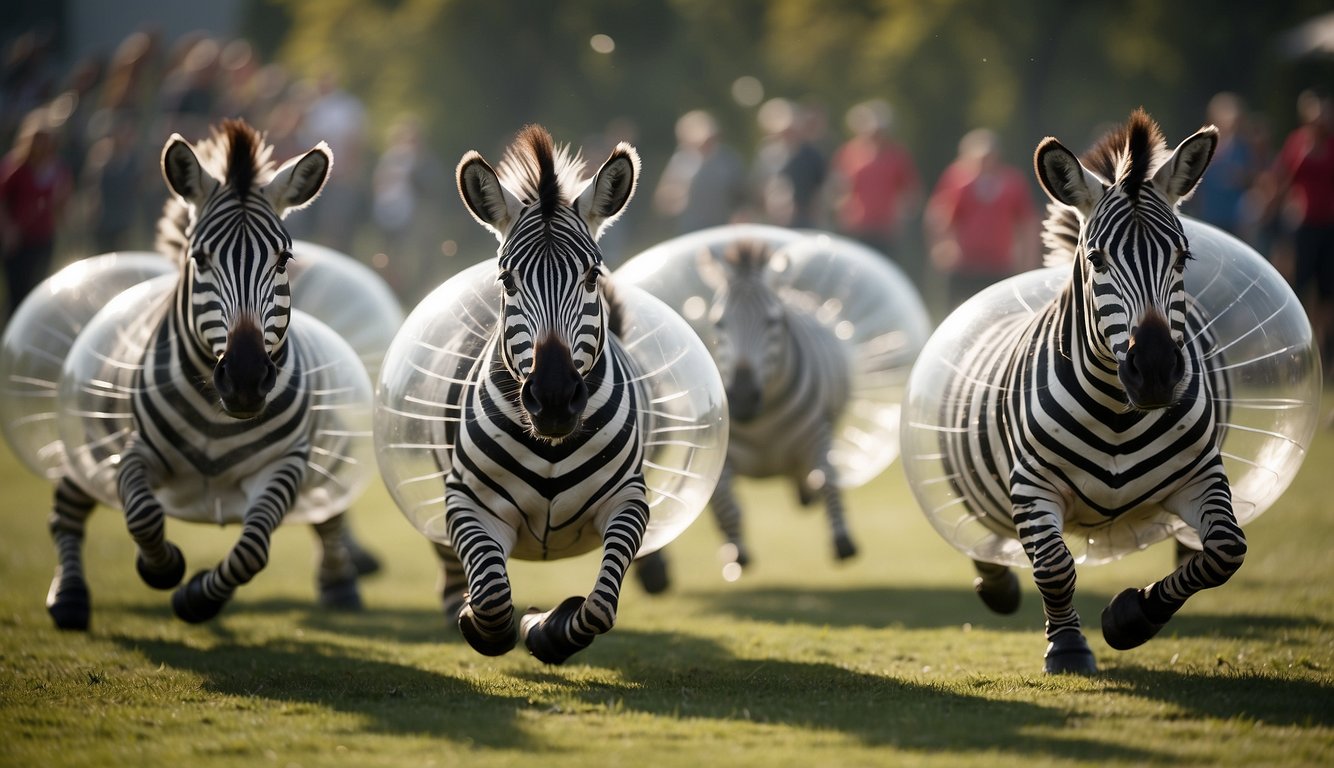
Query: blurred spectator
(615, 240)
(1304, 199)
(704, 183)
(1221, 197)
(337, 117)
(111, 184)
(981, 224)
(790, 169)
(190, 94)
(26, 82)
(406, 205)
(876, 185)
(34, 185)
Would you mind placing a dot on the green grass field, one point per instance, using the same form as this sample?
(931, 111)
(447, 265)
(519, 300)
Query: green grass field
(889, 660)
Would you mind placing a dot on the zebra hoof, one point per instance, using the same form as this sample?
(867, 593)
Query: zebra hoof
(487, 644)
(541, 635)
(651, 570)
(1000, 594)
(165, 577)
(1124, 623)
(69, 604)
(1069, 654)
(341, 595)
(363, 561)
(191, 605)
(844, 548)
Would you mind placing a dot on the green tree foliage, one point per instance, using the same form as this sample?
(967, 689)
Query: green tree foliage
(477, 71)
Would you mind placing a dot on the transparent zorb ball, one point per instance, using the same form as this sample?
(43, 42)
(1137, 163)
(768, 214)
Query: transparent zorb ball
(38, 338)
(862, 297)
(429, 369)
(1263, 343)
(94, 416)
(346, 295)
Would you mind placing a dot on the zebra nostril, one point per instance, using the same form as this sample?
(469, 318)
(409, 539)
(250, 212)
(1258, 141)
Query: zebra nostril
(529, 400)
(270, 377)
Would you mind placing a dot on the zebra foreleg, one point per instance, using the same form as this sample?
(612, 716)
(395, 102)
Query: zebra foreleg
(68, 601)
(486, 618)
(1136, 615)
(337, 575)
(1038, 522)
(453, 582)
(201, 598)
(727, 514)
(824, 480)
(159, 562)
(558, 634)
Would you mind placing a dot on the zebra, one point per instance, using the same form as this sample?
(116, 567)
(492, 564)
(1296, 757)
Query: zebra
(222, 404)
(1105, 402)
(788, 379)
(547, 458)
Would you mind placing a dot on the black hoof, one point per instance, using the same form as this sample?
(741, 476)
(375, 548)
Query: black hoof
(1000, 593)
(486, 644)
(341, 595)
(651, 570)
(191, 605)
(1124, 623)
(363, 561)
(844, 548)
(69, 604)
(166, 577)
(539, 635)
(1069, 654)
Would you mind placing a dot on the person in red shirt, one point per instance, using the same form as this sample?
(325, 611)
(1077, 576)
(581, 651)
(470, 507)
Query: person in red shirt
(34, 186)
(981, 224)
(1304, 188)
(877, 188)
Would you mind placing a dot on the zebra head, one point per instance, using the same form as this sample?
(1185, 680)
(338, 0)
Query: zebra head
(234, 294)
(554, 316)
(749, 322)
(1131, 255)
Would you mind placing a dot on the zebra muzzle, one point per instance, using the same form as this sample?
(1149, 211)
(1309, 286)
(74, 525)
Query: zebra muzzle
(244, 375)
(1153, 366)
(554, 395)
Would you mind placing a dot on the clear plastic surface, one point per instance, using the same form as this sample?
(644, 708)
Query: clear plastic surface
(347, 296)
(1263, 343)
(38, 338)
(441, 341)
(94, 418)
(859, 294)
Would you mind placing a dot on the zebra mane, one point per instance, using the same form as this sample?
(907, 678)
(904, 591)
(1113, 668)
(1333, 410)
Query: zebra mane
(535, 170)
(1127, 155)
(234, 152)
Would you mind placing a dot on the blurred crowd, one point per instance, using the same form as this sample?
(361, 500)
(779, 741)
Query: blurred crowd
(81, 174)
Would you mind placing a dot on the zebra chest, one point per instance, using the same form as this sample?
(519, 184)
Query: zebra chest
(554, 497)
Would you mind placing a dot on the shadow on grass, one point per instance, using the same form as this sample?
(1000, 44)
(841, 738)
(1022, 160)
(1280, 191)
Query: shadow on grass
(1268, 699)
(669, 675)
(941, 607)
(398, 625)
(391, 698)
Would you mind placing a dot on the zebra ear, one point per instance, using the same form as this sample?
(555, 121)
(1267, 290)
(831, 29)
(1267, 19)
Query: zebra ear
(185, 177)
(603, 199)
(1179, 175)
(1064, 179)
(487, 200)
(299, 180)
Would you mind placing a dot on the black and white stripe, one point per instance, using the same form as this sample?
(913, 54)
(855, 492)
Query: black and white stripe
(788, 380)
(222, 404)
(548, 458)
(1103, 403)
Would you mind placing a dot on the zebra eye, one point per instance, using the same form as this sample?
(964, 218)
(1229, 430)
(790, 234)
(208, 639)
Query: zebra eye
(1098, 259)
(283, 258)
(200, 259)
(507, 281)
(1183, 256)
(591, 280)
